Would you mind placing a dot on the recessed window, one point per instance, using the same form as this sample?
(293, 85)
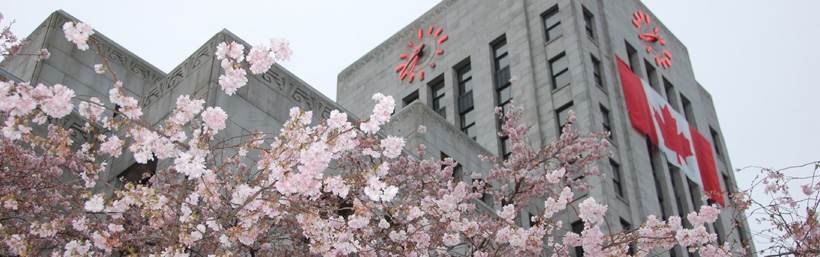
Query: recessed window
(502, 73)
(715, 140)
(139, 173)
(596, 72)
(411, 98)
(651, 76)
(465, 101)
(687, 110)
(437, 91)
(625, 226)
(632, 56)
(559, 69)
(616, 177)
(606, 122)
(578, 227)
(552, 23)
(563, 116)
(671, 96)
(589, 23)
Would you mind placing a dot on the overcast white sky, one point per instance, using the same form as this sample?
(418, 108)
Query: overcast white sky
(756, 58)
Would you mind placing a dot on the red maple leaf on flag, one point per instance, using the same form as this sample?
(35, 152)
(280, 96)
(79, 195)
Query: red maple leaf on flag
(673, 140)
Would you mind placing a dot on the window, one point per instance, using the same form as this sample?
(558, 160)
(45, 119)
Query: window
(409, 99)
(606, 122)
(671, 96)
(656, 177)
(552, 23)
(687, 110)
(651, 76)
(589, 23)
(458, 172)
(596, 72)
(486, 197)
(616, 177)
(437, 91)
(506, 147)
(465, 101)
(694, 192)
(559, 69)
(625, 226)
(715, 140)
(674, 176)
(632, 56)
(502, 73)
(578, 227)
(503, 88)
(139, 173)
(563, 116)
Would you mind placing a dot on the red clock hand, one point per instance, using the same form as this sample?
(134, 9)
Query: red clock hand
(413, 59)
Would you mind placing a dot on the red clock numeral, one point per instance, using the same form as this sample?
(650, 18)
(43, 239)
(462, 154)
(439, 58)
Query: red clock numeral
(430, 31)
(421, 75)
(439, 51)
(403, 56)
(438, 32)
(411, 77)
(432, 64)
(442, 39)
(421, 35)
(410, 44)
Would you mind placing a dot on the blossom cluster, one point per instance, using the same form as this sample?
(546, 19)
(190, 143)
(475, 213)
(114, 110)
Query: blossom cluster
(78, 33)
(260, 58)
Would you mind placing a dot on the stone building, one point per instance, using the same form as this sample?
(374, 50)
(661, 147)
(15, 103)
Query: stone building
(459, 58)
(262, 105)
(562, 52)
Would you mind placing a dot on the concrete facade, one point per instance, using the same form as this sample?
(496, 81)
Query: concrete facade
(262, 105)
(474, 28)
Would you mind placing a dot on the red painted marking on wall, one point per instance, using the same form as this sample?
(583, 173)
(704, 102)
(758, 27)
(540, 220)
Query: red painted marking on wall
(442, 39)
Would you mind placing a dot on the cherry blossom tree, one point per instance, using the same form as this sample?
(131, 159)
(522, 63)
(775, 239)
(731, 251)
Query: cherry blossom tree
(335, 188)
(791, 220)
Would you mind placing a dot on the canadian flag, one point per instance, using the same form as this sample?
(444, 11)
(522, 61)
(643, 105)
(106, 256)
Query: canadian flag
(682, 144)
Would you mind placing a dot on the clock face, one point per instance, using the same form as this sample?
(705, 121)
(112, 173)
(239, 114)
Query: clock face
(421, 54)
(652, 39)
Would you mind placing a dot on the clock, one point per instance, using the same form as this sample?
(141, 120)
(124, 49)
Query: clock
(420, 54)
(652, 39)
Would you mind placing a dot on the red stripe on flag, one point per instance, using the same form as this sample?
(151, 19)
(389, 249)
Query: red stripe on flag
(706, 165)
(636, 103)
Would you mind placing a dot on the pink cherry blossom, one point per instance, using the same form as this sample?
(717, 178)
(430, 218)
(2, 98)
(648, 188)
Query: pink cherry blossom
(391, 146)
(43, 54)
(95, 204)
(78, 33)
(214, 118)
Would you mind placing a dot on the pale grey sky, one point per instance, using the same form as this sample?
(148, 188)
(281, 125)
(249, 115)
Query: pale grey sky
(755, 57)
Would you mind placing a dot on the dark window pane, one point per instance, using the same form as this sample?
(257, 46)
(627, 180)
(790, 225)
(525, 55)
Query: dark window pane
(468, 118)
(501, 49)
(503, 62)
(555, 32)
(504, 95)
(552, 19)
(562, 79)
(559, 64)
